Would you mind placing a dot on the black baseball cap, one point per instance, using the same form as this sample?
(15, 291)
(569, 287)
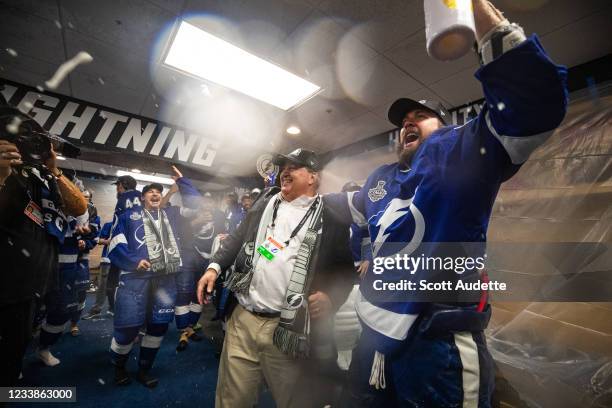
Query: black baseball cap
(152, 186)
(399, 109)
(301, 157)
(128, 182)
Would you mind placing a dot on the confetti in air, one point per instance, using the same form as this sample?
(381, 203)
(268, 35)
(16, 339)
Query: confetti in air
(101, 81)
(101, 381)
(65, 69)
(28, 105)
(25, 253)
(501, 106)
(40, 88)
(58, 24)
(70, 25)
(13, 127)
(483, 151)
(12, 52)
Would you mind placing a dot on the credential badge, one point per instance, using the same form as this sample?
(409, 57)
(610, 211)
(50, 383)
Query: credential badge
(135, 216)
(378, 192)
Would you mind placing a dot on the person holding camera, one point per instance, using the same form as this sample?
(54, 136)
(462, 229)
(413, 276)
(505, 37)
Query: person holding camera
(35, 199)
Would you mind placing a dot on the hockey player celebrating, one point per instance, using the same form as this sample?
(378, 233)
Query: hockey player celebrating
(442, 190)
(145, 246)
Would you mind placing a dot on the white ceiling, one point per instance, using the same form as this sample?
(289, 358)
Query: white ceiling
(363, 53)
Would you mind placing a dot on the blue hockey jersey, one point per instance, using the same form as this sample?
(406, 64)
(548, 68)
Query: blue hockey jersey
(129, 200)
(127, 247)
(448, 193)
(105, 233)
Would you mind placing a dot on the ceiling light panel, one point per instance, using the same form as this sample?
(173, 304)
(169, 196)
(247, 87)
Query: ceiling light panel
(203, 55)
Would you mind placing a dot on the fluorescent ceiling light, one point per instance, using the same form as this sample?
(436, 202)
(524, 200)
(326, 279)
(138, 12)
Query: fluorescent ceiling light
(58, 157)
(146, 177)
(293, 130)
(199, 53)
(136, 171)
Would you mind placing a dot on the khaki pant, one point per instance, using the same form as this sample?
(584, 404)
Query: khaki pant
(248, 357)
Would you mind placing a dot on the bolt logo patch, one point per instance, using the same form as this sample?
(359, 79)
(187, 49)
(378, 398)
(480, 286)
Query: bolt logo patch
(294, 301)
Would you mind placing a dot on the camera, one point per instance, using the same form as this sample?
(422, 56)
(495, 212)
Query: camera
(32, 140)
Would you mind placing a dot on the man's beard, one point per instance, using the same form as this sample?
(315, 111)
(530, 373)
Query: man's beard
(404, 156)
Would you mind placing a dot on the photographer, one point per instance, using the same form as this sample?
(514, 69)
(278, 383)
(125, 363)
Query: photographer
(34, 200)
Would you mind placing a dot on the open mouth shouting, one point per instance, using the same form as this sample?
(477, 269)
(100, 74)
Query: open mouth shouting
(409, 138)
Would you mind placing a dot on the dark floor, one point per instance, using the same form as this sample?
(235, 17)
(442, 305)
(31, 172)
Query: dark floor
(185, 379)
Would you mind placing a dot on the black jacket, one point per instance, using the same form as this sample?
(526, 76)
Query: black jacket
(28, 253)
(334, 269)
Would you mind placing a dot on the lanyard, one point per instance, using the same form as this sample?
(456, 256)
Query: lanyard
(297, 229)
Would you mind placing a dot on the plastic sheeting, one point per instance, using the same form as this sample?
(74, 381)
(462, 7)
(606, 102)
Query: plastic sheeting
(558, 354)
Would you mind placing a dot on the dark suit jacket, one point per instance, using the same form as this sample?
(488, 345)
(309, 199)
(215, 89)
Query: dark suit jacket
(334, 269)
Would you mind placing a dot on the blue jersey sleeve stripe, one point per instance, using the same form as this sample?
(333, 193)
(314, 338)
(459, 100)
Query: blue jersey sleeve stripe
(519, 148)
(391, 324)
(117, 239)
(358, 217)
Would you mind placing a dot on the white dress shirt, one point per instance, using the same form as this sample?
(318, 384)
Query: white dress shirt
(271, 278)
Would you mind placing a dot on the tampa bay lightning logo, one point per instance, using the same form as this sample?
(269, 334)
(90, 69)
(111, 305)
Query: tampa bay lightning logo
(400, 222)
(294, 301)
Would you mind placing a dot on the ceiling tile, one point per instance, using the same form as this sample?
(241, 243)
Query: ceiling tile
(173, 6)
(543, 16)
(379, 23)
(30, 35)
(258, 26)
(319, 113)
(34, 79)
(322, 41)
(567, 45)
(460, 88)
(33, 70)
(133, 27)
(411, 55)
(351, 131)
(44, 9)
(110, 64)
(90, 89)
(376, 82)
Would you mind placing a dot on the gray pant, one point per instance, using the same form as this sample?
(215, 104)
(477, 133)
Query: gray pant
(101, 292)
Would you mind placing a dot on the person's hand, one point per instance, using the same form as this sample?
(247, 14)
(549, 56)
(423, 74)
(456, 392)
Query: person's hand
(173, 189)
(103, 241)
(144, 265)
(51, 162)
(363, 268)
(177, 174)
(223, 236)
(9, 156)
(82, 230)
(81, 244)
(207, 282)
(319, 305)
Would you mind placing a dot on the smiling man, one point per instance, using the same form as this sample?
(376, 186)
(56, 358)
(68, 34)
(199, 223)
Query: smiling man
(293, 269)
(146, 248)
(437, 200)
